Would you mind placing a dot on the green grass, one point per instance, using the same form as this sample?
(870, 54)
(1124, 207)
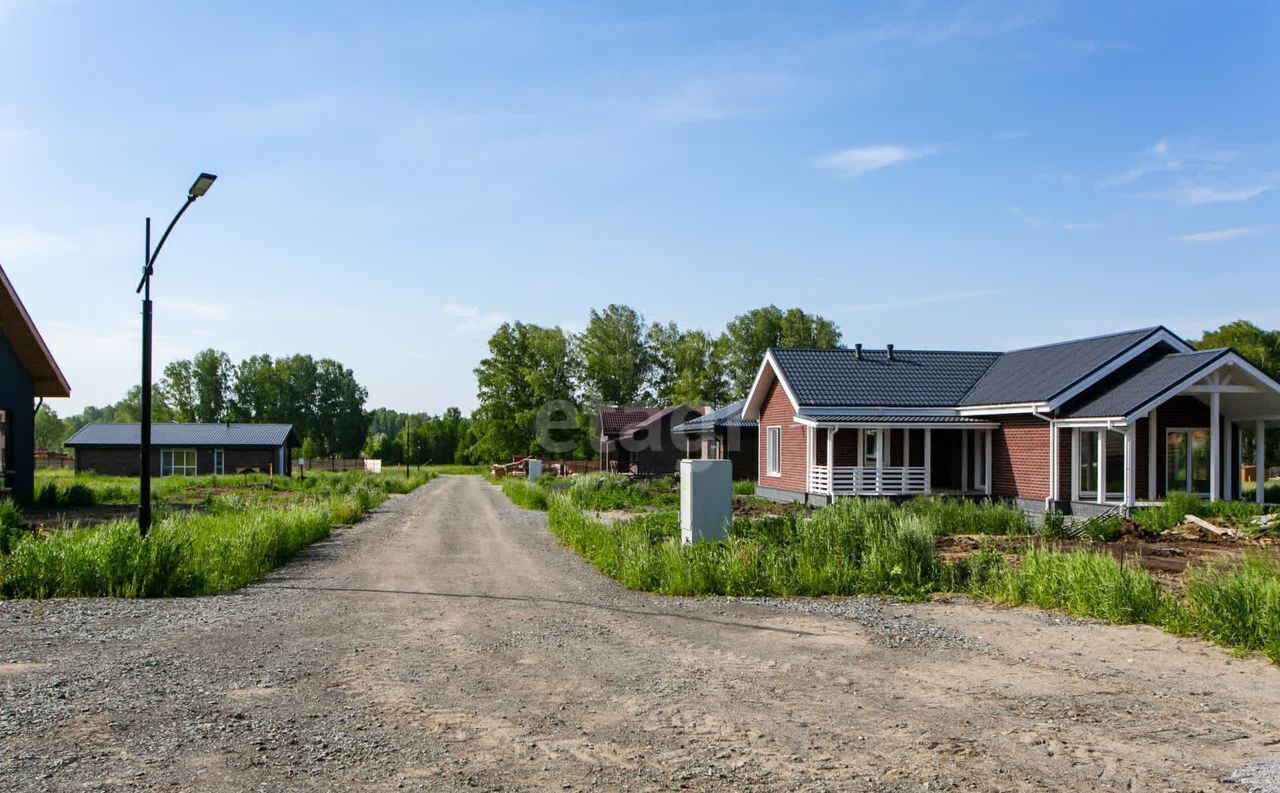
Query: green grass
(744, 487)
(601, 492)
(457, 470)
(64, 488)
(867, 546)
(525, 494)
(949, 516)
(235, 540)
(1178, 505)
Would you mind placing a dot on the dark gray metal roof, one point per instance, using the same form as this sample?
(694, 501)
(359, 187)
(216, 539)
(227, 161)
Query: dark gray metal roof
(727, 417)
(880, 418)
(1135, 390)
(1038, 374)
(914, 378)
(216, 435)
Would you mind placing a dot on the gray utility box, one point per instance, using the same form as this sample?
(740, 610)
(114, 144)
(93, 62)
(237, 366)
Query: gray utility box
(535, 470)
(706, 500)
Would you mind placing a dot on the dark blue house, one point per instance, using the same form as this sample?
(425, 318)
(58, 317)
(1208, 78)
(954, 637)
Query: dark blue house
(27, 372)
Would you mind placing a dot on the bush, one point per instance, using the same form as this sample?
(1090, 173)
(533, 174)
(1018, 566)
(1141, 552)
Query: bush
(744, 487)
(10, 524)
(1103, 530)
(1054, 525)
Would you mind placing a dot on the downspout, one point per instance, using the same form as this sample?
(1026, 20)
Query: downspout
(1055, 487)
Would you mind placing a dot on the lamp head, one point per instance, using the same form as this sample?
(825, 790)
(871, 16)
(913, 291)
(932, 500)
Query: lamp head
(201, 185)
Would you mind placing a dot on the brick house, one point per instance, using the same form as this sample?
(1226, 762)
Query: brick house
(723, 434)
(186, 449)
(641, 440)
(1081, 426)
(27, 372)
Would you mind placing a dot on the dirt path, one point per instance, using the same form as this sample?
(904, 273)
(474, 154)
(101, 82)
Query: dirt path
(449, 643)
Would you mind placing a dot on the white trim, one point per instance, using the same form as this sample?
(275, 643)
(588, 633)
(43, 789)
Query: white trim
(1215, 447)
(1230, 359)
(831, 460)
(195, 461)
(987, 445)
(1186, 484)
(1094, 377)
(1055, 468)
(964, 460)
(1075, 463)
(818, 412)
(219, 461)
(996, 410)
(1223, 389)
(1102, 466)
(1131, 465)
(1110, 422)
(751, 410)
(810, 454)
(906, 447)
(817, 421)
(1260, 461)
(769, 448)
(928, 459)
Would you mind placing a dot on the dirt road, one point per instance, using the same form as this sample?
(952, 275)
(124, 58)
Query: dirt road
(449, 643)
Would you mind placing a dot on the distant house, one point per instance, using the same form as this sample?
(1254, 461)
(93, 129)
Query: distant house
(186, 449)
(723, 435)
(645, 444)
(27, 371)
(1082, 426)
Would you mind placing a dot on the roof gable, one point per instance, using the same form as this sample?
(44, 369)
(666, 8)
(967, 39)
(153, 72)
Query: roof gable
(1055, 372)
(216, 435)
(727, 417)
(16, 325)
(616, 420)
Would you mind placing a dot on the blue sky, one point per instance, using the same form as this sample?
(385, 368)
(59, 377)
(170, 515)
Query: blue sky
(397, 178)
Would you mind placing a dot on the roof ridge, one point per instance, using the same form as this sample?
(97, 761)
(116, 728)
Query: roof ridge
(1145, 331)
(896, 350)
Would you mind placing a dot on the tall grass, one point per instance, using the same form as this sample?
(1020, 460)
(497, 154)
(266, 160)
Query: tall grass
(1178, 505)
(525, 494)
(235, 541)
(612, 491)
(1237, 606)
(964, 516)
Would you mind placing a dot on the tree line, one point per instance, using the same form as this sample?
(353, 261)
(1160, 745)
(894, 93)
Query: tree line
(538, 385)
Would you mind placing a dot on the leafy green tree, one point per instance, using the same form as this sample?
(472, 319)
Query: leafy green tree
(687, 367)
(339, 409)
(129, 409)
(616, 360)
(179, 388)
(749, 335)
(526, 384)
(255, 395)
(212, 375)
(50, 430)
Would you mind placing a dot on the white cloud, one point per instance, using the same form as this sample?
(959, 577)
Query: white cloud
(472, 321)
(1219, 235)
(925, 300)
(29, 242)
(1160, 147)
(1088, 225)
(1195, 195)
(865, 159)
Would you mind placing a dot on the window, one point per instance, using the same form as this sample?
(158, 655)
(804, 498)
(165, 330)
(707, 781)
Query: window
(1187, 461)
(774, 451)
(979, 460)
(1088, 463)
(177, 462)
(219, 461)
(870, 445)
(713, 449)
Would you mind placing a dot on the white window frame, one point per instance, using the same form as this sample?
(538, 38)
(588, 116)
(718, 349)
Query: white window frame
(219, 461)
(978, 448)
(773, 451)
(1186, 486)
(871, 456)
(167, 467)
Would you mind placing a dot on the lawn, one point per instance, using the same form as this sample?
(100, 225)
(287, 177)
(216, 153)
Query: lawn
(211, 534)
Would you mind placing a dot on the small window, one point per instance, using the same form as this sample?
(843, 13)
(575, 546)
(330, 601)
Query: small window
(218, 461)
(870, 448)
(774, 451)
(177, 462)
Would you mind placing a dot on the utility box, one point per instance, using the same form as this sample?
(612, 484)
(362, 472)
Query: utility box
(535, 470)
(706, 500)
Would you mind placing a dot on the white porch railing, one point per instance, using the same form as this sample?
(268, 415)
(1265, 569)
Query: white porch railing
(886, 481)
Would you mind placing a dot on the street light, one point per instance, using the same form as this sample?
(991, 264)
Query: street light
(198, 188)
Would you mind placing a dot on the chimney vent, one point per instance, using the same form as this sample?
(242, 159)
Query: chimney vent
(857, 351)
(888, 352)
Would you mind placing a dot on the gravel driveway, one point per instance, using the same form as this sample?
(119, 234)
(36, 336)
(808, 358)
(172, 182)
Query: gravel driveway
(449, 643)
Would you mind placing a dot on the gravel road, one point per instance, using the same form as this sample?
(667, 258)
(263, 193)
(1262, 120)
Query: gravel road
(449, 643)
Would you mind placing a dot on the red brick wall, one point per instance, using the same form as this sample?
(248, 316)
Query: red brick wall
(778, 411)
(1020, 458)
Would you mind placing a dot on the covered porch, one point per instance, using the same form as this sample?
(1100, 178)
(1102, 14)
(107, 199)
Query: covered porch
(896, 456)
(1190, 437)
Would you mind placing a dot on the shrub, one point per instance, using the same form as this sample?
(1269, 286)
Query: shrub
(1054, 525)
(47, 496)
(10, 524)
(744, 487)
(78, 496)
(1103, 530)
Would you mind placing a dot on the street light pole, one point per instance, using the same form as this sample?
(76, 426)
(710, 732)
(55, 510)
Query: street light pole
(198, 188)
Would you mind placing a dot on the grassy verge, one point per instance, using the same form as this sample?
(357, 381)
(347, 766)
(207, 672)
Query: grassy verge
(234, 541)
(1178, 505)
(871, 547)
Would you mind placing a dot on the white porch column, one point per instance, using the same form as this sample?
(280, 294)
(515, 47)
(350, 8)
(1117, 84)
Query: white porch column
(810, 456)
(1215, 446)
(831, 462)
(906, 447)
(1131, 464)
(964, 460)
(1260, 460)
(987, 462)
(1053, 465)
(1152, 452)
(882, 442)
(1102, 465)
(928, 460)
(1075, 464)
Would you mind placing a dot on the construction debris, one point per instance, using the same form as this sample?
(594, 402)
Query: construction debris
(1209, 527)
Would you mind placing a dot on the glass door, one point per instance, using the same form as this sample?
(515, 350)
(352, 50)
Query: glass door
(1115, 465)
(1187, 461)
(1088, 473)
